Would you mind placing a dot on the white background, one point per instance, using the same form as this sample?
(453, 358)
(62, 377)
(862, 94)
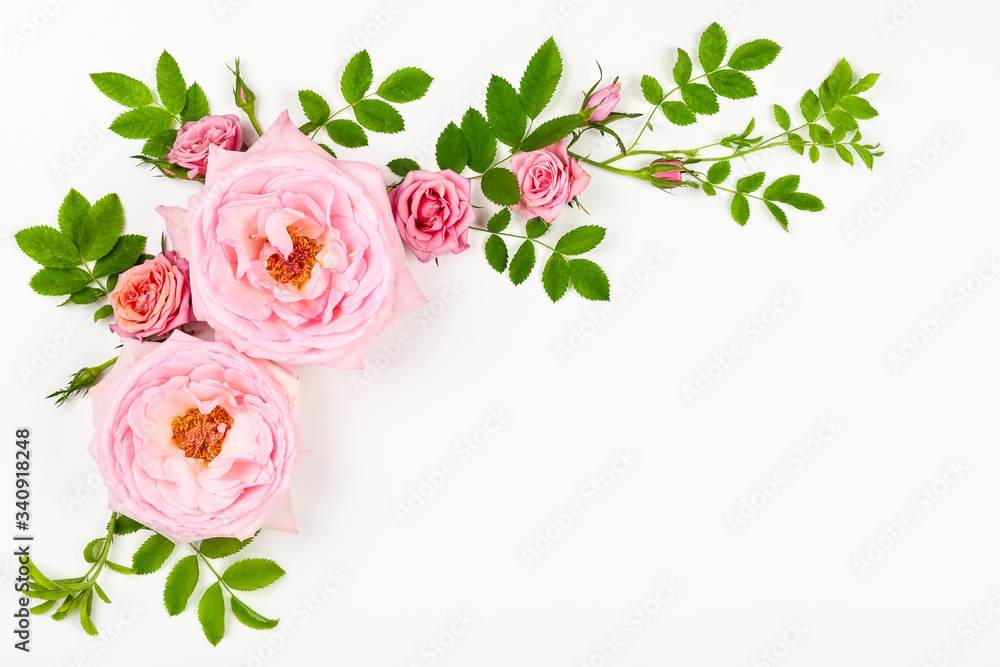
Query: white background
(857, 290)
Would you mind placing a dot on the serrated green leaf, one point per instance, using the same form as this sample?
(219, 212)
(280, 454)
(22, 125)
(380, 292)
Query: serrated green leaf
(839, 133)
(522, 263)
(496, 253)
(580, 240)
(782, 187)
(506, 116)
(72, 212)
(751, 183)
(858, 107)
(480, 139)
(123, 256)
(864, 84)
(778, 214)
(826, 98)
(195, 105)
(357, 77)
(700, 98)
(500, 187)
(123, 89)
(754, 55)
(212, 614)
(101, 228)
(314, 106)
(452, 151)
(682, 68)
(796, 143)
(589, 280)
(840, 80)
(170, 84)
(39, 609)
(782, 118)
(842, 120)
(809, 105)
(820, 135)
(35, 575)
(719, 172)
(555, 276)
(251, 574)
(709, 189)
(101, 594)
(712, 47)
(651, 90)
(55, 282)
(126, 526)
(378, 116)
(804, 201)
(142, 123)
(181, 582)
(536, 228)
(86, 609)
(220, 547)
(52, 596)
(346, 133)
(551, 131)
(249, 617)
(845, 154)
(49, 247)
(160, 145)
(401, 166)
(499, 221)
(152, 554)
(540, 79)
(104, 311)
(865, 155)
(405, 85)
(120, 569)
(740, 209)
(678, 113)
(732, 84)
(85, 296)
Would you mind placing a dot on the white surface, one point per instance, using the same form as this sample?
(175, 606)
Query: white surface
(566, 419)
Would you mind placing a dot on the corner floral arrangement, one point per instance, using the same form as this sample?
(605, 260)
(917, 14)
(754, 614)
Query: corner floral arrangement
(291, 252)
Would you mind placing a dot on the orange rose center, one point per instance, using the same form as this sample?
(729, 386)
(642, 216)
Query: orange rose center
(200, 435)
(297, 267)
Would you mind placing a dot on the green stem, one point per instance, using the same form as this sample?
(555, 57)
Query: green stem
(217, 575)
(94, 279)
(650, 117)
(641, 174)
(515, 236)
(735, 192)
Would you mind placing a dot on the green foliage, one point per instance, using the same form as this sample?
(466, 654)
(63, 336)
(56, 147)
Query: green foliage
(170, 84)
(153, 553)
(378, 116)
(357, 77)
(180, 584)
(401, 166)
(500, 187)
(480, 139)
(652, 91)
(345, 132)
(551, 131)
(452, 149)
(540, 79)
(252, 574)
(504, 111)
(123, 89)
(405, 85)
(212, 614)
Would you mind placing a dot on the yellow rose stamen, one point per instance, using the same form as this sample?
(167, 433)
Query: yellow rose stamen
(297, 267)
(200, 435)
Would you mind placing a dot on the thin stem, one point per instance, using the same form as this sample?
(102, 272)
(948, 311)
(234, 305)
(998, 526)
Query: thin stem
(650, 117)
(217, 575)
(606, 167)
(94, 279)
(515, 236)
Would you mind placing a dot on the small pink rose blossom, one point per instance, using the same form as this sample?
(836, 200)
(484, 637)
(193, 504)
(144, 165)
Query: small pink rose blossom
(190, 149)
(433, 212)
(548, 179)
(152, 298)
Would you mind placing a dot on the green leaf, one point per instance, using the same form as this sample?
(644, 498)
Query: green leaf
(120, 569)
(49, 247)
(580, 240)
(712, 47)
(92, 551)
(85, 296)
(839, 133)
(751, 183)
(589, 280)
(865, 155)
(101, 228)
(805, 202)
(347, 133)
(160, 145)
(796, 143)
(845, 154)
(499, 221)
(405, 85)
(864, 84)
(826, 98)
(123, 256)
(820, 135)
(839, 82)
(810, 106)
(480, 139)
(314, 106)
(195, 105)
(555, 276)
(651, 90)
(452, 149)
(52, 596)
(841, 119)
(496, 253)
(858, 107)
(123, 89)
(86, 609)
(55, 282)
(700, 98)
(212, 614)
(104, 311)
(551, 131)
(740, 208)
(378, 116)
(500, 187)
(220, 547)
(782, 187)
(249, 617)
(504, 111)
(142, 123)
(101, 594)
(252, 573)
(536, 228)
(170, 84)
(778, 214)
(39, 609)
(719, 172)
(754, 55)
(782, 118)
(357, 77)
(678, 113)
(72, 212)
(814, 154)
(522, 263)
(152, 554)
(709, 189)
(540, 79)
(401, 166)
(181, 583)
(126, 526)
(682, 68)
(732, 85)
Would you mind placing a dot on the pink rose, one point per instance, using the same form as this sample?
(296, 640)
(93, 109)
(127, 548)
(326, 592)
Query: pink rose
(195, 440)
(190, 149)
(603, 102)
(549, 178)
(294, 255)
(152, 298)
(433, 212)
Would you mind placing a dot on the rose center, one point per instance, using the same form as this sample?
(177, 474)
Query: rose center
(200, 435)
(296, 268)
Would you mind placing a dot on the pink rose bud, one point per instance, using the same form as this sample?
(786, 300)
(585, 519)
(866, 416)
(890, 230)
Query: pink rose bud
(666, 173)
(548, 180)
(604, 101)
(196, 136)
(152, 298)
(433, 212)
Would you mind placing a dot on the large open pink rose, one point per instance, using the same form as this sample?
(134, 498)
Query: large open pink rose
(294, 256)
(195, 440)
